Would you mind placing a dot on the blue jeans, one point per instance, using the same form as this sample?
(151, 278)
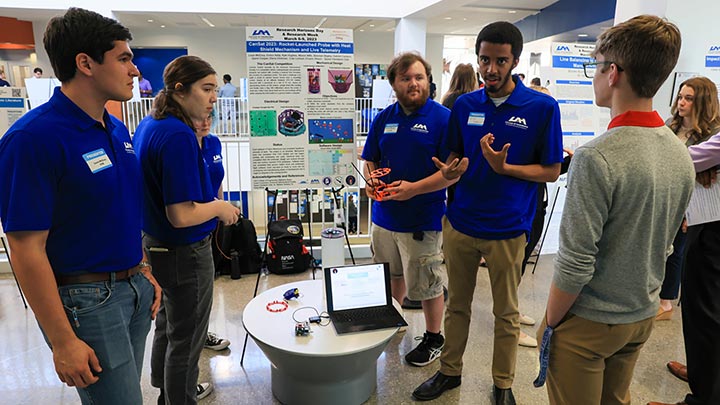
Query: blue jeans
(674, 268)
(113, 318)
(186, 274)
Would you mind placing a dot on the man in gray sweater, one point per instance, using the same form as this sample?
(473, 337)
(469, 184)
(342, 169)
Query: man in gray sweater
(627, 192)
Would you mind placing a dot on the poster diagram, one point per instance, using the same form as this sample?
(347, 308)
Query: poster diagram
(301, 107)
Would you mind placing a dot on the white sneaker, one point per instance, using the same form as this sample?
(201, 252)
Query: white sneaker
(203, 390)
(526, 320)
(526, 340)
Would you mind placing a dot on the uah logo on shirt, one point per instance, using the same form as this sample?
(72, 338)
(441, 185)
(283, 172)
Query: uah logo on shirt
(217, 158)
(420, 128)
(517, 122)
(129, 148)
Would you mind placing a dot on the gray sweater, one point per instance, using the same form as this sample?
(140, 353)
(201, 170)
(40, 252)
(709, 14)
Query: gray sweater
(627, 193)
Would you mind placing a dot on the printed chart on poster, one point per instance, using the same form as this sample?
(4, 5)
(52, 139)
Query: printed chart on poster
(302, 107)
(581, 119)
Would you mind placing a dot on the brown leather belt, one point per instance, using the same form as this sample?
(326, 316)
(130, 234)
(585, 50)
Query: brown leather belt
(95, 277)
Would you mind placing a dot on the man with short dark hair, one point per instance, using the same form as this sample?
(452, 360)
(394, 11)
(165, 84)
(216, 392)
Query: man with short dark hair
(407, 213)
(37, 73)
(627, 193)
(492, 211)
(227, 105)
(71, 204)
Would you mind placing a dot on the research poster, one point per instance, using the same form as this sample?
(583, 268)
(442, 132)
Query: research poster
(301, 99)
(581, 119)
(12, 107)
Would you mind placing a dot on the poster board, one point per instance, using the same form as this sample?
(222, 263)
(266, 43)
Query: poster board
(301, 107)
(12, 106)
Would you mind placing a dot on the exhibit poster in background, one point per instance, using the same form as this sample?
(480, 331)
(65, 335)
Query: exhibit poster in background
(712, 64)
(365, 74)
(581, 119)
(301, 106)
(12, 106)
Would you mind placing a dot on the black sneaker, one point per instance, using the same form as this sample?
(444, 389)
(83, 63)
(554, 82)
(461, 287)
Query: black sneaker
(427, 351)
(212, 341)
(203, 390)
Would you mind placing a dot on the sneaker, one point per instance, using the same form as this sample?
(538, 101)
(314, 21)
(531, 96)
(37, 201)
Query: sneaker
(203, 390)
(526, 320)
(212, 341)
(427, 351)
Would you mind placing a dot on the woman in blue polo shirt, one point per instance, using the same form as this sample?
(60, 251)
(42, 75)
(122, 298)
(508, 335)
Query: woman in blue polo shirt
(180, 212)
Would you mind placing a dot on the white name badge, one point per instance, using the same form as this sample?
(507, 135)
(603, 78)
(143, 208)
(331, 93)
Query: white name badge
(391, 128)
(97, 160)
(476, 119)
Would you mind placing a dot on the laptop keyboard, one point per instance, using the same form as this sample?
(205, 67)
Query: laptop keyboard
(362, 314)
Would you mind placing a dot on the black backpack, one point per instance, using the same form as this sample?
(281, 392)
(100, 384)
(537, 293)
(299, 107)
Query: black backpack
(287, 253)
(238, 243)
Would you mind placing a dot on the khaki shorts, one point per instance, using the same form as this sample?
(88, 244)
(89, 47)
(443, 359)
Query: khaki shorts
(420, 262)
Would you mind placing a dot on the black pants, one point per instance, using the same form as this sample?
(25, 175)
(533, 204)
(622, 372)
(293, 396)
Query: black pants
(537, 225)
(701, 313)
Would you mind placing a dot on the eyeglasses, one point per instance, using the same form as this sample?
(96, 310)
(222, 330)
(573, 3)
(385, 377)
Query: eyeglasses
(591, 67)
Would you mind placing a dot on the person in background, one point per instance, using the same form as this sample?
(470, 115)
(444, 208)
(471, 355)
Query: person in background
(37, 73)
(3, 81)
(433, 88)
(536, 85)
(212, 153)
(227, 105)
(145, 86)
(352, 214)
(463, 81)
(181, 210)
(406, 228)
(227, 90)
(695, 118)
(522, 77)
(626, 195)
(491, 213)
(71, 204)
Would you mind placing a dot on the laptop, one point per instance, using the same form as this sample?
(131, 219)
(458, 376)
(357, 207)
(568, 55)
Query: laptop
(358, 298)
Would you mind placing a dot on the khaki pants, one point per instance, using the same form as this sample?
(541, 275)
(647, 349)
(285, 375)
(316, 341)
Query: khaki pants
(504, 260)
(592, 363)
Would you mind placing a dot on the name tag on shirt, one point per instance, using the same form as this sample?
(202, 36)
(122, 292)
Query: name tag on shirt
(391, 128)
(97, 160)
(476, 119)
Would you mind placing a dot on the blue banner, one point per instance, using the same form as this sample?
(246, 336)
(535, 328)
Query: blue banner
(577, 82)
(575, 102)
(299, 47)
(571, 62)
(712, 61)
(578, 133)
(12, 102)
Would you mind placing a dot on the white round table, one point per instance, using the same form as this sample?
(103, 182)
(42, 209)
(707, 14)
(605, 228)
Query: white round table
(323, 367)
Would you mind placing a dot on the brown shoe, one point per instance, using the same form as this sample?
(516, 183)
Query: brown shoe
(663, 315)
(679, 370)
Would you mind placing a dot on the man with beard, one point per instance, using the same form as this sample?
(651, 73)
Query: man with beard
(492, 212)
(410, 200)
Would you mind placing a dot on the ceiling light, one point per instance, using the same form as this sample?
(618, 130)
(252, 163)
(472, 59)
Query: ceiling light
(372, 25)
(322, 21)
(512, 11)
(206, 21)
(582, 35)
(150, 20)
(362, 30)
(448, 18)
(464, 19)
(162, 26)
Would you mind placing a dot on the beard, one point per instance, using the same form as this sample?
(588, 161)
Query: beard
(414, 102)
(502, 81)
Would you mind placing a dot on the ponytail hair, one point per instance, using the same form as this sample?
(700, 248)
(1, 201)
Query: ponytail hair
(178, 76)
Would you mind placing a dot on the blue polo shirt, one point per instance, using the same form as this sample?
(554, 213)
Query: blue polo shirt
(488, 205)
(174, 171)
(406, 144)
(63, 172)
(212, 153)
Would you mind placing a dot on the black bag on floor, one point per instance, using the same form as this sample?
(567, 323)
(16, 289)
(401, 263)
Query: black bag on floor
(287, 253)
(237, 242)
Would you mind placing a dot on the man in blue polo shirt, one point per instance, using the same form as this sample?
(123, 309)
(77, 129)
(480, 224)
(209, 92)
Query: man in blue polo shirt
(70, 201)
(407, 213)
(492, 212)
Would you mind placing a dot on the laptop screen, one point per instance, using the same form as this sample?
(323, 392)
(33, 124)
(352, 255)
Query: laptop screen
(357, 286)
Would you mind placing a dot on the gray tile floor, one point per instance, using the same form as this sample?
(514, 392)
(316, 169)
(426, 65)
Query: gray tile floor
(27, 375)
